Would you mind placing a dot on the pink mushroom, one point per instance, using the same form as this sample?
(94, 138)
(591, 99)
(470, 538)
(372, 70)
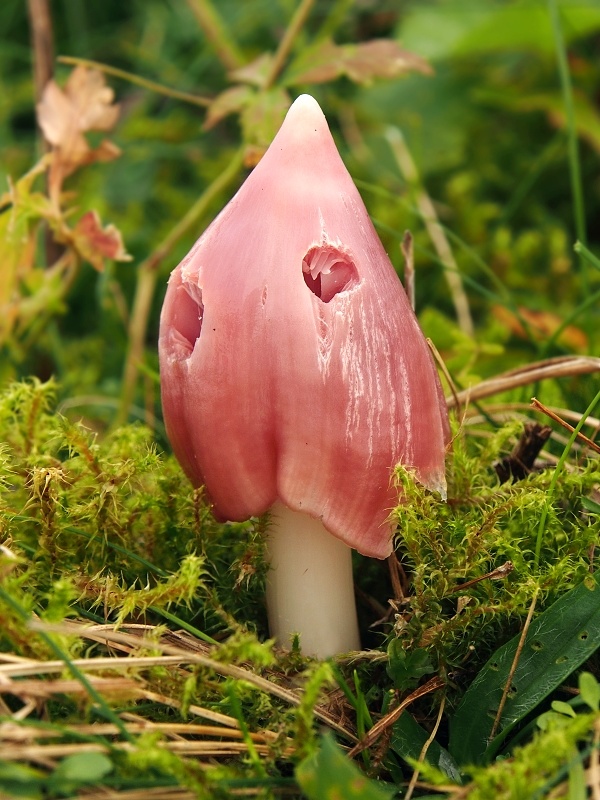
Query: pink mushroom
(295, 377)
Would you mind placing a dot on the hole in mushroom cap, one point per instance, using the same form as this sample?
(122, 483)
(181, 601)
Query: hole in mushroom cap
(187, 319)
(328, 271)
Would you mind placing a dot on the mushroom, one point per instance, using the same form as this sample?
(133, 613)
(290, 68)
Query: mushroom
(295, 377)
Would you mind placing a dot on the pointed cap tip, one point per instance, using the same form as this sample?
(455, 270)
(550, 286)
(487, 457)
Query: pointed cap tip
(306, 108)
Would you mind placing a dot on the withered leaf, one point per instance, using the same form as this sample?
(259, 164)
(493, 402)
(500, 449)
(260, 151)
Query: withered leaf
(540, 325)
(64, 115)
(361, 63)
(95, 243)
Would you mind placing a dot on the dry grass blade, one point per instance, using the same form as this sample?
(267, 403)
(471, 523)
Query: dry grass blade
(415, 776)
(562, 367)
(188, 650)
(513, 667)
(393, 716)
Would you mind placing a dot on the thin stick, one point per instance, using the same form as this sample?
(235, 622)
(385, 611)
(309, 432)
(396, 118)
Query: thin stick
(561, 367)
(296, 24)
(130, 77)
(42, 41)
(148, 275)
(394, 567)
(424, 749)
(572, 140)
(409, 267)
(513, 667)
(216, 33)
(434, 228)
(535, 403)
(497, 574)
(390, 719)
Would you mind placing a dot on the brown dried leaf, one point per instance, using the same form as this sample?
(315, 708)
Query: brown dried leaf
(361, 63)
(64, 115)
(541, 325)
(92, 99)
(95, 243)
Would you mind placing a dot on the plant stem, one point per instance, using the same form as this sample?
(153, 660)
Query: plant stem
(436, 233)
(137, 80)
(310, 591)
(42, 41)
(147, 277)
(216, 33)
(287, 42)
(572, 141)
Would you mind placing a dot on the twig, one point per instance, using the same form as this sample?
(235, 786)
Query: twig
(513, 667)
(390, 719)
(42, 41)
(285, 46)
(435, 230)
(561, 367)
(572, 133)
(424, 749)
(437, 357)
(535, 403)
(409, 267)
(216, 33)
(497, 574)
(131, 77)
(148, 275)
(394, 568)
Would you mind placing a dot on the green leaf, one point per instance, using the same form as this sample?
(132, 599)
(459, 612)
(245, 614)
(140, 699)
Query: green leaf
(17, 780)
(563, 708)
(80, 768)
(407, 667)
(590, 505)
(589, 690)
(329, 775)
(408, 738)
(558, 641)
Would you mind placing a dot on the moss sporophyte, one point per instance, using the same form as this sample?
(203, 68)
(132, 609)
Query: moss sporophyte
(295, 377)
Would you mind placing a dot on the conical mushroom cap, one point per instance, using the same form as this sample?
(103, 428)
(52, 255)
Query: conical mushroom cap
(292, 364)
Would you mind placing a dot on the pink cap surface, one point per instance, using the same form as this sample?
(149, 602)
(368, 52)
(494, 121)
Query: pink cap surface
(292, 365)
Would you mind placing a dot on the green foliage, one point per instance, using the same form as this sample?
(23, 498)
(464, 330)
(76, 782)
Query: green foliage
(327, 774)
(558, 641)
(472, 559)
(89, 519)
(407, 667)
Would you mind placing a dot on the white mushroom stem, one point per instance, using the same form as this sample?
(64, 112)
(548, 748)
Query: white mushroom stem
(310, 591)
